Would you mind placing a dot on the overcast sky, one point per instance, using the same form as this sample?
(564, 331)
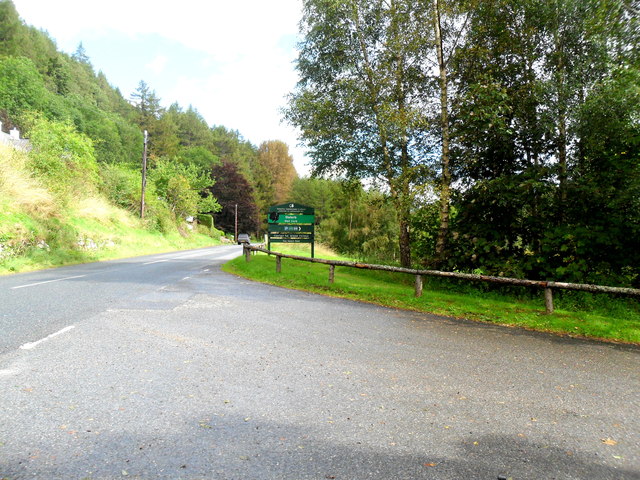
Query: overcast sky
(231, 60)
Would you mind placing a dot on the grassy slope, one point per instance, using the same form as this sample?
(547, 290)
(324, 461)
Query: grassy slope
(577, 315)
(39, 230)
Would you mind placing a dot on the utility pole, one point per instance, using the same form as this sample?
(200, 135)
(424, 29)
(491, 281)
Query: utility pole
(144, 174)
(236, 238)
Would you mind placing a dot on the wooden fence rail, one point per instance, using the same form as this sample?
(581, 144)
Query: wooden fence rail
(547, 286)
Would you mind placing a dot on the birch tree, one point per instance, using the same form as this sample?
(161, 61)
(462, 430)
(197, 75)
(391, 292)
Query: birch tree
(360, 101)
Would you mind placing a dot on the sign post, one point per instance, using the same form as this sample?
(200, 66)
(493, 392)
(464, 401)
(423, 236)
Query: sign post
(291, 223)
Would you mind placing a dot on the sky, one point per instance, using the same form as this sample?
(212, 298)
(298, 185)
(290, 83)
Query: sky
(231, 60)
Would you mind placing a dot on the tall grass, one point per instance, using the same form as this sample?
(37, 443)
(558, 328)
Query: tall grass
(20, 191)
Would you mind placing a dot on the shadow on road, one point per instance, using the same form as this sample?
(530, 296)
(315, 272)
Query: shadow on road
(233, 447)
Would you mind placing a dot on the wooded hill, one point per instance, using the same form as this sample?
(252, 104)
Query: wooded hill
(62, 104)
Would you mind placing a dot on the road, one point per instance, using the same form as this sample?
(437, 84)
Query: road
(164, 367)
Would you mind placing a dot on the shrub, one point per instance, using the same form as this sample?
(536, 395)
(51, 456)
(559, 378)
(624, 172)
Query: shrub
(122, 186)
(63, 158)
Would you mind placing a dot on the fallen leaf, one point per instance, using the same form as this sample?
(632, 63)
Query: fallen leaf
(609, 441)
(430, 464)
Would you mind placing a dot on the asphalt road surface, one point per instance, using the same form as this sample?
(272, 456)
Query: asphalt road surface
(164, 367)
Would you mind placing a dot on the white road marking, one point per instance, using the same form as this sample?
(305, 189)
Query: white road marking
(29, 346)
(176, 258)
(47, 281)
(229, 256)
(197, 254)
(191, 255)
(8, 372)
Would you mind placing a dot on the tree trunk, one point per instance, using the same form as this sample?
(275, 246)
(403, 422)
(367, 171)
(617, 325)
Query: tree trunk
(401, 202)
(445, 186)
(405, 245)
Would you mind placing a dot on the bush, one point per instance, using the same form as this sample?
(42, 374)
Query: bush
(205, 220)
(180, 185)
(63, 158)
(122, 186)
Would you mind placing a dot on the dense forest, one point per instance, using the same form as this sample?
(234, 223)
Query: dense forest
(504, 134)
(498, 136)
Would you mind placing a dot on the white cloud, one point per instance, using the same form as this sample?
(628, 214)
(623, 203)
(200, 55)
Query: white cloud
(158, 64)
(223, 29)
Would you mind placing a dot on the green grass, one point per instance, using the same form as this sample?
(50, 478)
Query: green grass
(577, 314)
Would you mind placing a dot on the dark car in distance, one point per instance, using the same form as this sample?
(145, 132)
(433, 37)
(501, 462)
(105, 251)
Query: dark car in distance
(243, 238)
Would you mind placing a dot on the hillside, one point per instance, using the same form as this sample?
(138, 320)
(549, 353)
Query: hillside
(41, 228)
(75, 194)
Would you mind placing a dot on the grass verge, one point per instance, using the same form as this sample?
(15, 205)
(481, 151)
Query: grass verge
(580, 315)
(34, 242)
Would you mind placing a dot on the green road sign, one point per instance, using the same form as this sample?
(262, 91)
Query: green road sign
(290, 228)
(276, 240)
(286, 218)
(292, 209)
(291, 237)
(291, 223)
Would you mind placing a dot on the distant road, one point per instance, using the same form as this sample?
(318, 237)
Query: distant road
(34, 305)
(164, 367)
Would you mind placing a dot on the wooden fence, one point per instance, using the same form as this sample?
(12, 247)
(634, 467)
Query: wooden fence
(547, 286)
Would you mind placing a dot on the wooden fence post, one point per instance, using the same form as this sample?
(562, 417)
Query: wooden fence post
(332, 273)
(247, 253)
(278, 263)
(548, 300)
(418, 286)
